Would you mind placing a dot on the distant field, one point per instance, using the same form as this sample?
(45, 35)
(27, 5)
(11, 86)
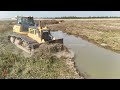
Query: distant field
(83, 19)
(74, 19)
(103, 32)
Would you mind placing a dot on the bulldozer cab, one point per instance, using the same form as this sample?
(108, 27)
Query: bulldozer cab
(23, 23)
(25, 20)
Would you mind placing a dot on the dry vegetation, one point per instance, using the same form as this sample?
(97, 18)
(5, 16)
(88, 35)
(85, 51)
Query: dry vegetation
(50, 21)
(105, 33)
(16, 64)
(6, 25)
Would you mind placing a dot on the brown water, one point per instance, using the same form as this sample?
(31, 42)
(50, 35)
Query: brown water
(93, 61)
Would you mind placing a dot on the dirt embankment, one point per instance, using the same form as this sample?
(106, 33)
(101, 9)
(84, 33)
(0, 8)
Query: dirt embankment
(59, 51)
(104, 33)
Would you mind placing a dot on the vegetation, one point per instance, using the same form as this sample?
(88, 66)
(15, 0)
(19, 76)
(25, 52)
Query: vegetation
(75, 17)
(6, 25)
(16, 64)
(13, 66)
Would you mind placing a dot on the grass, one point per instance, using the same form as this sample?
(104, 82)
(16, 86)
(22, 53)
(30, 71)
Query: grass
(15, 65)
(50, 21)
(100, 32)
(18, 67)
(6, 25)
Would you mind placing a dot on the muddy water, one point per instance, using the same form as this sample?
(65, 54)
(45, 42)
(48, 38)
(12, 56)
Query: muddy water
(93, 61)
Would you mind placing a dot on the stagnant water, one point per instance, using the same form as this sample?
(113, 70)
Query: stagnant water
(93, 61)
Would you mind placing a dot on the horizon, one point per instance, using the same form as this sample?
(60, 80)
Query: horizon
(43, 14)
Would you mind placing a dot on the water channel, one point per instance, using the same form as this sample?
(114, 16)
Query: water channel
(93, 61)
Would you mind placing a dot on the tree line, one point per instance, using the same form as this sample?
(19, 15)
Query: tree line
(75, 17)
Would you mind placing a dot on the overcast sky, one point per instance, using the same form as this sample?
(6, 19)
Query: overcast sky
(7, 14)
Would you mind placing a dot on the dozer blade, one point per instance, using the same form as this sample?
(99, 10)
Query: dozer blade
(56, 41)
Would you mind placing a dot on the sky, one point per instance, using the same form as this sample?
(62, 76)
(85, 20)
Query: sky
(11, 14)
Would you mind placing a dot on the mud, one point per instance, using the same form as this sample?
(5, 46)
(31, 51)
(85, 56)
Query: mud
(48, 49)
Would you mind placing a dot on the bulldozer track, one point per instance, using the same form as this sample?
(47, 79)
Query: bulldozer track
(32, 44)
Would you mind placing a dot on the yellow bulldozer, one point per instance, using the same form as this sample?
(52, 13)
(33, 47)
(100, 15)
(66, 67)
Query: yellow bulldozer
(27, 35)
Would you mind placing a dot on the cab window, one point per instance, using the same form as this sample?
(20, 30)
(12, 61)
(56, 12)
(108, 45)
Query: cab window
(19, 21)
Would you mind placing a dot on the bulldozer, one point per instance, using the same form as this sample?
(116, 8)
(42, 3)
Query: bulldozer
(28, 36)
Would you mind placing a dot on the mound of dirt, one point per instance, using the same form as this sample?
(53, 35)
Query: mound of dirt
(49, 49)
(48, 21)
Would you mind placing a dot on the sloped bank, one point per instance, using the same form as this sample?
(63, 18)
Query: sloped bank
(62, 53)
(48, 62)
(69, 58)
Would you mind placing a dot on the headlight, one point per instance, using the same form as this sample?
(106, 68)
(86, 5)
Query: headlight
(54, 38)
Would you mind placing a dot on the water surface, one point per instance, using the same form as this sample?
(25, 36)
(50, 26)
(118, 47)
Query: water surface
(94, 61)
